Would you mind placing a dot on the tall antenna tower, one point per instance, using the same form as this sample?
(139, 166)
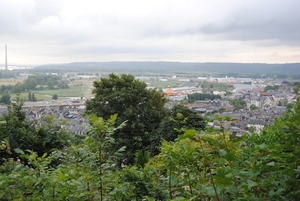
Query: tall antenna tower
(6, 57)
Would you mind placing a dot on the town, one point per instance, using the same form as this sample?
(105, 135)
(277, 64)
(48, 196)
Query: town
(257, 102)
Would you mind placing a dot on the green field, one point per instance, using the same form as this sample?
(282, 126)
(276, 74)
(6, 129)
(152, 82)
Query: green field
(77, 88)
(73, 91)
(10, 81)
(163, 84)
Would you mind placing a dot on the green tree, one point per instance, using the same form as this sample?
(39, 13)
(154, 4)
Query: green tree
(253, 107)
(289, 106)
(228, 93)
(55, 97)
(178, 120)
(33, 98)
(29, 96)
(50, 84)
(275, 88)
(18, 88)
(238, 104)
(5, 98)
(30, 83)
(221, 110)
(142, 108)
(22, 134)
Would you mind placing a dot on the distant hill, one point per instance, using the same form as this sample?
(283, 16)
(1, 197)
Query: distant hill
(173, 67)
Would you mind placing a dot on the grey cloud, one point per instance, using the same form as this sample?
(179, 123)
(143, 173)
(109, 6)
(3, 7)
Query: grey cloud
(278, 20)
(175, 29)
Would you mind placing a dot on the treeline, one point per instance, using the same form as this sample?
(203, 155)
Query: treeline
(235, 69)
(7, 74)
(51, 81)
(36, 82)
(209, 86)
(201, 96)
(275, 88)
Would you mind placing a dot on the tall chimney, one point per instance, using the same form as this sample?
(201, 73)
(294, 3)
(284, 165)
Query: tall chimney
(5, 56)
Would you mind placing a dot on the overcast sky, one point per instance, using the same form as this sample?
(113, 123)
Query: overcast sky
(62, 31)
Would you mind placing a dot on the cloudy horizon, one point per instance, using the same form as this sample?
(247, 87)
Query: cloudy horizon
(65, 31)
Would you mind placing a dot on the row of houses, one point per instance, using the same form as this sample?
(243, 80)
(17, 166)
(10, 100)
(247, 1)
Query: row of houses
(68, 115)
(268, 106)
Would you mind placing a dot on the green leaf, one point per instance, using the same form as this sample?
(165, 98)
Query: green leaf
(230, 156)
(44, 155)
(188, 134)
(251, 184)
(271, 163)
(19, 151)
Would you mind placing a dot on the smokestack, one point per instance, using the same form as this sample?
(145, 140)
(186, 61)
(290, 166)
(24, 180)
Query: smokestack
(5, 56)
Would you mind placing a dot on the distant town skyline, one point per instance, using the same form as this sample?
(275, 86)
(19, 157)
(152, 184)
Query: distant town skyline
(51, 31)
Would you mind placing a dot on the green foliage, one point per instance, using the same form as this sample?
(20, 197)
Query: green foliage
(203, 166)
(238, 104)
(199, 96)
(141, 158)
(247, 82)
(33, 98)
(5, 89)
(18, 88)
(207, 86)
(84, 172)
(253, 107)
(29, 96)
(22, 134)
(50, 84)
(228, 93)
(179, 119)
(143, 110)
(5, 98)
(221, 110)
(30, 83)
(275, 88)
(7, 74)
(55, 97)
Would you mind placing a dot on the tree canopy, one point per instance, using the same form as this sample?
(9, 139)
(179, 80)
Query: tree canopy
(22, 134)
(200, 96)
(142, 109)
(5, 98)
(179, 119)
(55, 97)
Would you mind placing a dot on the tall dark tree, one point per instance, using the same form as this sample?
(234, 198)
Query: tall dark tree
(30, 83)
(179, 119)
(29, 96)
(33, 98)
(142, 108)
